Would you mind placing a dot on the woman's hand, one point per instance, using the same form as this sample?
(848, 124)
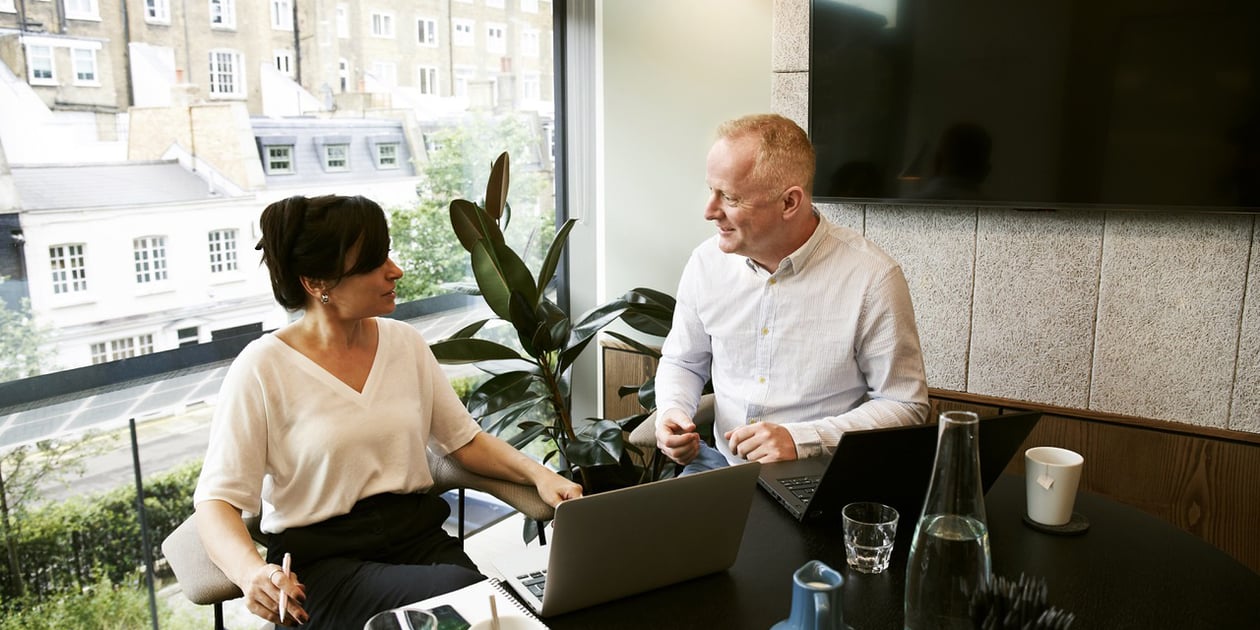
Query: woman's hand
(262, 595)
(553, 488)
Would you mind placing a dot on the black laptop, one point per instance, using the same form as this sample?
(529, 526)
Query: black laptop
(892, 466)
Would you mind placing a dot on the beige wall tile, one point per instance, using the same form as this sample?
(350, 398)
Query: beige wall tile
(850, 215)
(1244, 413)
(1036, 294)
(936, 249)
(789, 92)
(1169, 308)
(790, 52)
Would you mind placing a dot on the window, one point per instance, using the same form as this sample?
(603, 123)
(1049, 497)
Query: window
(386, 72)
(498, 4)
(222, 251)
(427, 80)
(227, 74)
(463, 75)
(40, 62)
(69, 269)
(279, 159)
(82, 10)
(281, 15)
(529, 6)
(150, 258)
(336, 157)
(387, 155)
(462, 32)
(343, 73)
(188, 336)
(123, 348)
(157, 11)
(549, 138)
(84, 60)
(496, 38)
(223, 13)
(426, 32)
(382, 24)
(529, 42)
(531, 86)
(284, 62)
(343, 21)
(7, 6)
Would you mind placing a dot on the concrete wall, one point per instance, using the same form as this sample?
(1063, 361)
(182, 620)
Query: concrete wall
(1143, 314)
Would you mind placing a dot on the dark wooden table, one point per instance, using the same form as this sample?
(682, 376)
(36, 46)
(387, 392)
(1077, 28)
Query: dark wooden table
(1130, 570)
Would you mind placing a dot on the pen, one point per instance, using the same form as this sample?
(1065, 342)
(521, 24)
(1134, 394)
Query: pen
(494, 615)
(284, 597)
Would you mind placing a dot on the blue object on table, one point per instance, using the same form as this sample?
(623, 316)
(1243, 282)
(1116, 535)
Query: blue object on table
(817, 599)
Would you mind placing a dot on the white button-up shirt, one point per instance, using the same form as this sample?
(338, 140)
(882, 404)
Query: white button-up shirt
(826, 344)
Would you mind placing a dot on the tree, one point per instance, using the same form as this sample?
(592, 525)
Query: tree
(20, 338)
(424, 244)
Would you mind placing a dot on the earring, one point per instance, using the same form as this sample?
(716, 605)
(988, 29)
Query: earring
(323, 298)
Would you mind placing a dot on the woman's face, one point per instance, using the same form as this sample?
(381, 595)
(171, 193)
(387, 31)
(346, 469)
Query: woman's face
(366, 294)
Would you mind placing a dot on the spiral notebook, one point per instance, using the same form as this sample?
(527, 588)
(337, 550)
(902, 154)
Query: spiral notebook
(473, 604)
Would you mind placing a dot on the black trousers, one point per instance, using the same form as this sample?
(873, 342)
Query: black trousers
(388, 551)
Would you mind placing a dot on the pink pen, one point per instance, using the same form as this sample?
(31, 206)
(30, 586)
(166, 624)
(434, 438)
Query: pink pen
(284, 597)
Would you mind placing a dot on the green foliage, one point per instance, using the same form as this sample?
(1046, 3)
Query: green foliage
(63, 547)
(101, 606)
(20, 338)
(423, 243)
(526, 397)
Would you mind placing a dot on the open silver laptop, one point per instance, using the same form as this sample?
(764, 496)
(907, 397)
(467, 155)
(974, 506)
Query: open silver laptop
(614, 544)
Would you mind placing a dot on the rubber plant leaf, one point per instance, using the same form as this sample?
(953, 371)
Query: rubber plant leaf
(497, 186)
(468, 331)
(499, 272)
(457, 351)
(552, 260)
(472, 224)
(499, 391)
(633, 343)
(591, 323)
(598, 443)
(524, 319)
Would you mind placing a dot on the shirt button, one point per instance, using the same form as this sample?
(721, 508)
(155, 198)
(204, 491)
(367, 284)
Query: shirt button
(773, 280)
(765, 331)
(761, 380)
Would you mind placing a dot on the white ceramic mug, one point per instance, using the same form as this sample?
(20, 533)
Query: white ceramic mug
(1051, 476)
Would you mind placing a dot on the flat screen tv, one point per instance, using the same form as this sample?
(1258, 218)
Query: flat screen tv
(1114, 104)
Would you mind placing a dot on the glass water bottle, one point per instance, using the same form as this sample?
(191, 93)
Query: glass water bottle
(949, 557)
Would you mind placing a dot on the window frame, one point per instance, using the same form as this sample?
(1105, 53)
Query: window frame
(226, 14)
(381, 25)
(463, 32)
(95, 79)
(221, 246)
(157, 11)
(236, 74)
(427, 77)
(150, 261)
(50, 55)
(496, 43)
(427, 33)
(68, 278)
(281, 15)
(86, 10)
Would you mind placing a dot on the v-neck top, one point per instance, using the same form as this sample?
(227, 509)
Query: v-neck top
(289, 433)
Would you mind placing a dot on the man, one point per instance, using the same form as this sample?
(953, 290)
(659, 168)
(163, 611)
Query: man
(806, 328)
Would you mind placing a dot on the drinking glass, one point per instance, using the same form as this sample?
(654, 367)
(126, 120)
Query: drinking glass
(869, 532)
(402, 619)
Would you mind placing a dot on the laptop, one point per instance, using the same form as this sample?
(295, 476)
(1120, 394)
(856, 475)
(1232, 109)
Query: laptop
(892, 466)
(608, 545)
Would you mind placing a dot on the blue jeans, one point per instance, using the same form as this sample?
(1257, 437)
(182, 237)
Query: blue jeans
(707, 459)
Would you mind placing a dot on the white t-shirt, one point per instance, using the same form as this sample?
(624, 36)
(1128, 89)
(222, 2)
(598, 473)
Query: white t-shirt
(319, 445)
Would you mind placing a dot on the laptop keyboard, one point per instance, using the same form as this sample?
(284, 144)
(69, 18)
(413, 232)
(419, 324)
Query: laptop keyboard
(535, 582)
(801, 487)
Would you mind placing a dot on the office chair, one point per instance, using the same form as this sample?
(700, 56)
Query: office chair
(203, 583)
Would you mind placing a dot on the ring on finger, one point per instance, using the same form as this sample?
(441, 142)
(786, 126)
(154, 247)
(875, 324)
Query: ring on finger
(271, 577)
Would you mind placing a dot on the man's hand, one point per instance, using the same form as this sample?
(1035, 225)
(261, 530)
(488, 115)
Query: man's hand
(676, 437)
(761, 442)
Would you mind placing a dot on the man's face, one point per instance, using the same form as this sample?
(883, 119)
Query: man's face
(744, 212)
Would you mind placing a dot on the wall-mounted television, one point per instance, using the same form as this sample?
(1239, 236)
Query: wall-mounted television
(1114, 104)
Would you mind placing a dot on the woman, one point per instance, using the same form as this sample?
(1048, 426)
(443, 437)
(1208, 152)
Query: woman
(327, 421)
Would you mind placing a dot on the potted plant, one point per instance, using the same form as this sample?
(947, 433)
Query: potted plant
(527, 396)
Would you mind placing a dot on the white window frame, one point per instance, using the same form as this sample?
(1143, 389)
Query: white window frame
(426, 32)
(226, 81)
(496, 37)
(68, 264)
(282, 15)
(149, 255)
(463, 75)
(386, 73)
(386, 155)
(529, 6)
(157, 11)
(8, 6)
(343, 21)
(284, 61)
(531, 86)
(83, 10)
(530, 43)
(462, 32)
(92, 70)
(40, 60)
(121, 348)
(343, 73)
(382, 24)
(221, 246)
(223, 14)
(278, 159)
(427, 80)
(335, 152)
